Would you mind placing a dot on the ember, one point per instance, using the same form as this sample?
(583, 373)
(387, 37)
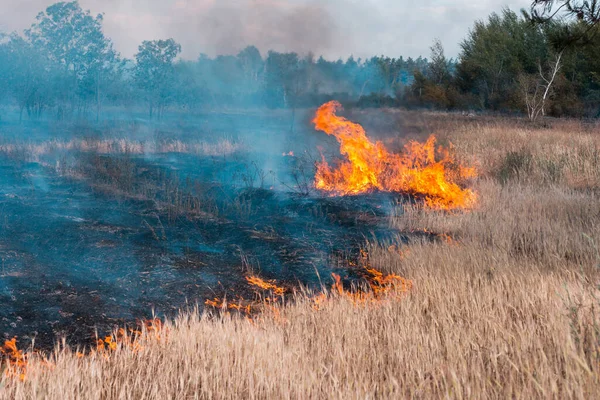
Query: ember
(370, 166)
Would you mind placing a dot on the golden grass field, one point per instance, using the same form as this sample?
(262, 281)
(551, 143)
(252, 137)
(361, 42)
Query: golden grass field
(506, 306)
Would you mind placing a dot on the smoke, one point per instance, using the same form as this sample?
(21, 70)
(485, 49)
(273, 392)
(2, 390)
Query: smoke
(333, 28)
(228, 27)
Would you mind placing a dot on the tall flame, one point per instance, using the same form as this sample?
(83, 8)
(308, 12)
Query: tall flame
(370, 166)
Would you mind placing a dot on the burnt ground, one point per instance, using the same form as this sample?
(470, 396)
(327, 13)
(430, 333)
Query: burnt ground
(89, 242)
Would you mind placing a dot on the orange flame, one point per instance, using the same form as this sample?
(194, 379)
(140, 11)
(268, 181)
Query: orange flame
(381, 287)
(222, 304)
(381, 284)
(131, 340)
(370, 166)
(250, 307)
(17, 359)
(266, 285)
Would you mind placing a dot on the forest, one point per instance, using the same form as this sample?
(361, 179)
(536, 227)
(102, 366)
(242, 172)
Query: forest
(65, 67)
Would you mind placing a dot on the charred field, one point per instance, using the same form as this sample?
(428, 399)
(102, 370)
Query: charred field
(103, 227)
(106, 225)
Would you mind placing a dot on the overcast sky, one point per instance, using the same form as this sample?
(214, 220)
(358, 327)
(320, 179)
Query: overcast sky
(334, 28)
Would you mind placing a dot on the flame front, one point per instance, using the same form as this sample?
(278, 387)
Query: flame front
(370, 166)
(270, 285)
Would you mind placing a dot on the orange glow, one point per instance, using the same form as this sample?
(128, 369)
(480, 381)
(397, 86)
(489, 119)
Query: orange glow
(266, 285)
(17, 359)
(381, 287)
(222, 304)
(250, 307)
(382, 284)
(132, 339)
(152, 328)
(422, 170)
(337, 286)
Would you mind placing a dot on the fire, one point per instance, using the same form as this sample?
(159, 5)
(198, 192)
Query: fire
(381, 287)
(266, 285)
(370, 166)
(381, 284)
(248, 307)
(17, 359)
(130, 339)
(222, 304)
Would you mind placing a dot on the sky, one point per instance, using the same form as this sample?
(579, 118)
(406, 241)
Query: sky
(332, 28)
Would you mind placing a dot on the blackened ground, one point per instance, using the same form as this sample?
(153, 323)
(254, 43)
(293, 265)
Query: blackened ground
(81, 251)
(89, 242)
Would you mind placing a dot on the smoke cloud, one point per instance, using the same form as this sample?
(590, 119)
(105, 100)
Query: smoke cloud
(333, 28)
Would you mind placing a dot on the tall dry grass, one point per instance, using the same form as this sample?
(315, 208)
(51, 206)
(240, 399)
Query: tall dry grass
(504, 308)
(34, 150)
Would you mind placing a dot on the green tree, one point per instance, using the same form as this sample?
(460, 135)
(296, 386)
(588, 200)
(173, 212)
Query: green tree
(494, 53)
(73, 39)
(252, 66)
(438, 70)
(154, 73)
(28, 76)
(281, 78)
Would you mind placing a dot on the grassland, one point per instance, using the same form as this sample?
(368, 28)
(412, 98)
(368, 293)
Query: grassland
(505, 307)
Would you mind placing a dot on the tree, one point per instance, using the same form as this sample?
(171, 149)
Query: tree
(189, 88)
(439, 67)
(154, 72)
(583, 10)
(252, 65)
(28, 75)
(281, 75)
(73, 39)
(537, 89)
(494, 53)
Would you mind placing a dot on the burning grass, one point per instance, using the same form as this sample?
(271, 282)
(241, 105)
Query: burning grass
(377, 287)
(486, 337)
(422, 170)
(381, 288)
(16, 359)
(504, 304)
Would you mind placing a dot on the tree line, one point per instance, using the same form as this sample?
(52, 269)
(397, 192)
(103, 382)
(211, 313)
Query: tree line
(64, 67)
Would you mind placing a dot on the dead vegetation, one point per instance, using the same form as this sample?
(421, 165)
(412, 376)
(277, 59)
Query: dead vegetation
(35, 150)
(505, 306)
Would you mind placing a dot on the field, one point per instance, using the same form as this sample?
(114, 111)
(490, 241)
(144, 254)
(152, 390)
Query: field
(504, 298)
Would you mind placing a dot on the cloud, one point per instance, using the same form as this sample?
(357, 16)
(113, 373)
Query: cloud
(334, 28)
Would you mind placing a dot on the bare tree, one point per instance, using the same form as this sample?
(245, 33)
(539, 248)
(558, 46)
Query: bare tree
(537, 88)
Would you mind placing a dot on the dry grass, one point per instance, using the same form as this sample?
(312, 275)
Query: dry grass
(505, 309)
(34, 150)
